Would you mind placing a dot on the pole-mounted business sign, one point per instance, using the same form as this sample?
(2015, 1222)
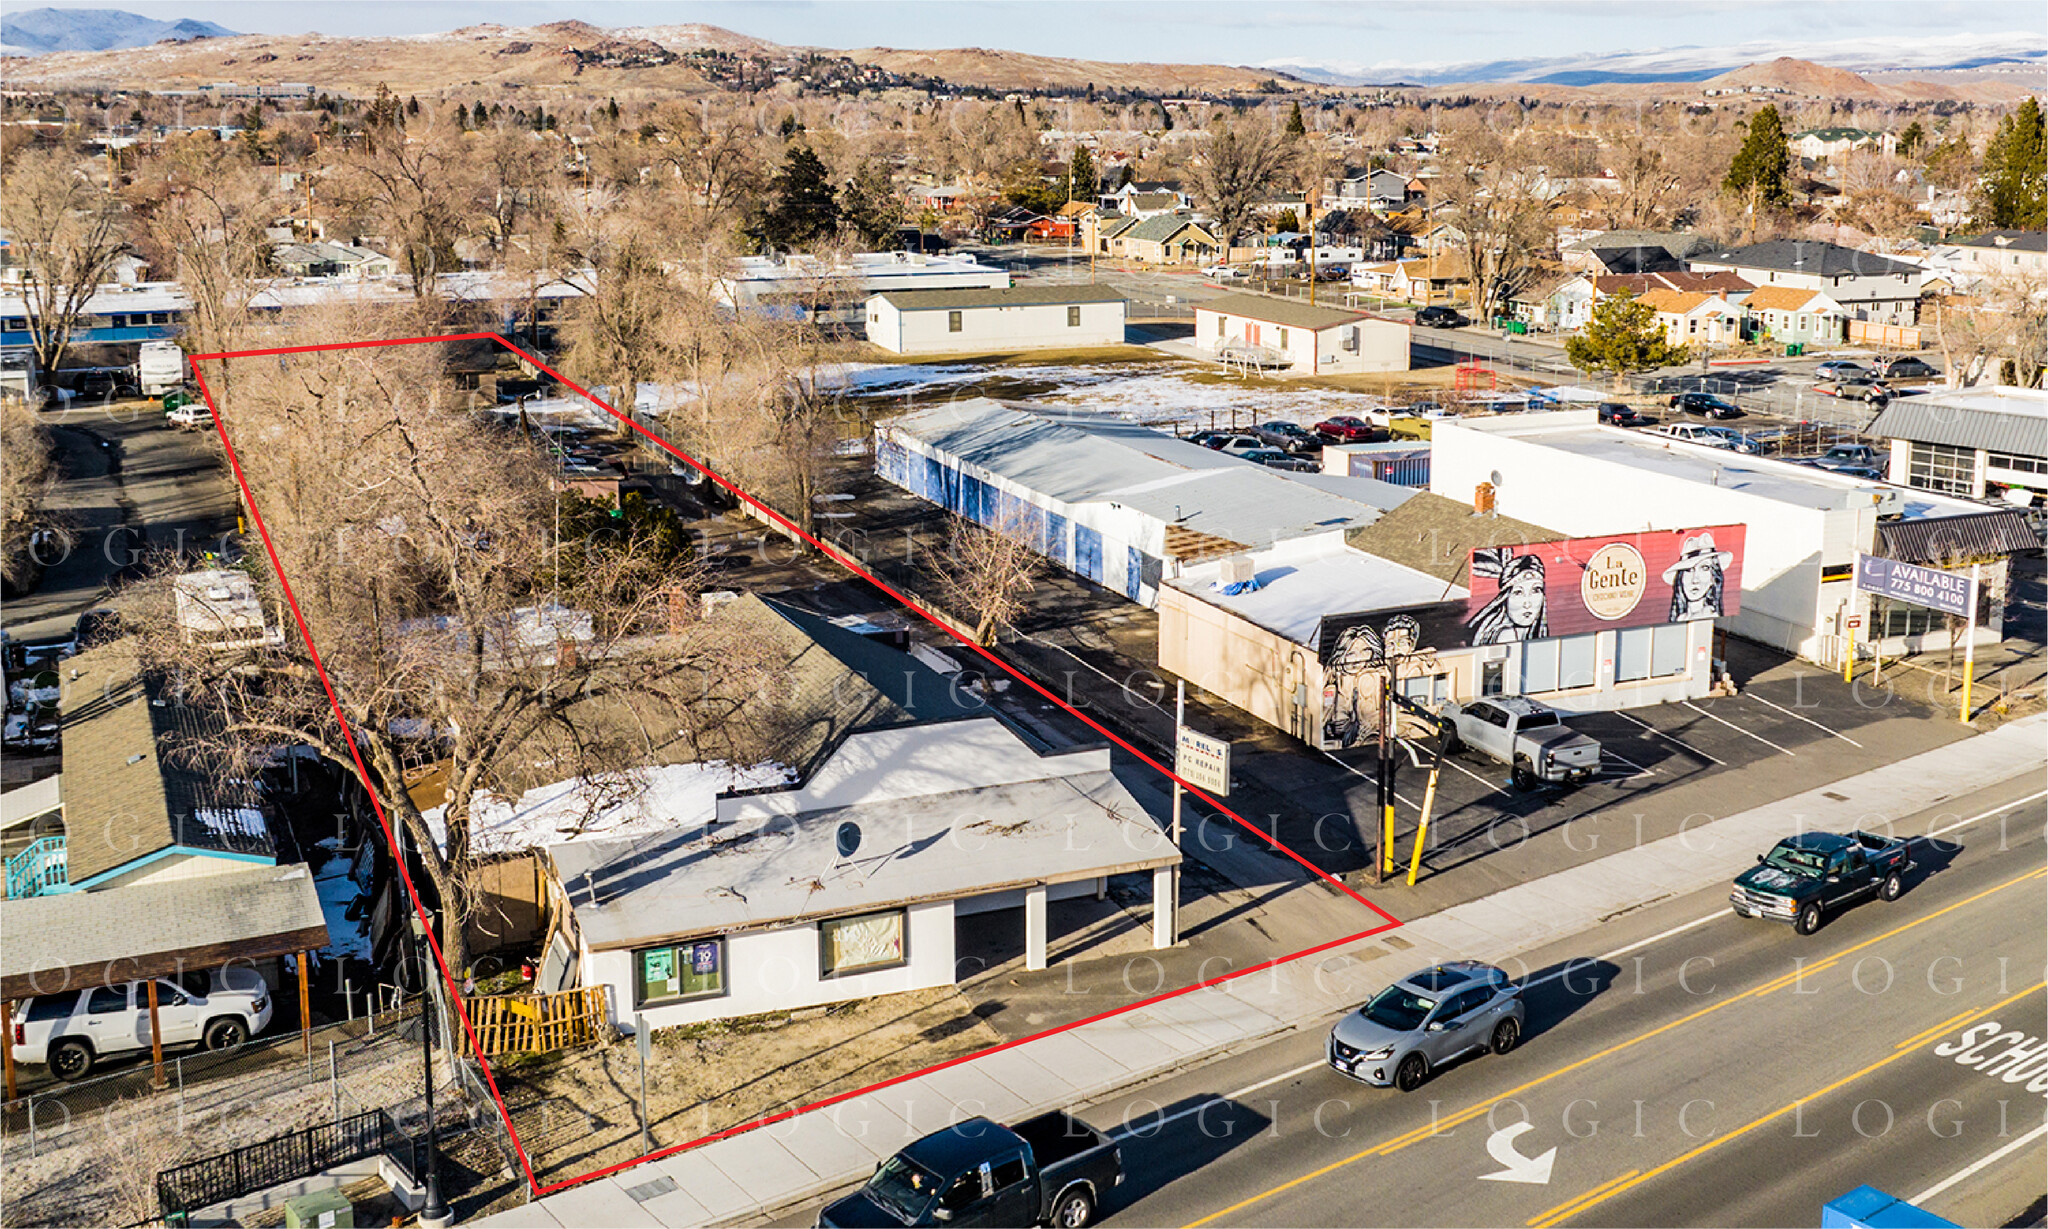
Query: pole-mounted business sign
(1203, 762)
(1933, 588)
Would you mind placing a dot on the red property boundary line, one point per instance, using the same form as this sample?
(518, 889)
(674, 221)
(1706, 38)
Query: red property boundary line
(838, 556)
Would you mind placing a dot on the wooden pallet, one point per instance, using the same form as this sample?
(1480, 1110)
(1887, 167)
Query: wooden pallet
(538, 1023)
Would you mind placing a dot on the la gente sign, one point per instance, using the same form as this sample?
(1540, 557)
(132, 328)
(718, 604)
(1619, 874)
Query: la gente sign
(1614, 581)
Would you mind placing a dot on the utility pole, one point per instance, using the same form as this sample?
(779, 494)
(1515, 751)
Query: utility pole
(1385, 860)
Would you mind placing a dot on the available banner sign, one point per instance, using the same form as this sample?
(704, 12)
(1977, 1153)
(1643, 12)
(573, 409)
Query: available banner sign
(1579, 585)
(1912, 583)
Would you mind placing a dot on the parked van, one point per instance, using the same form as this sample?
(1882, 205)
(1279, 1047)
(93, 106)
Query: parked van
(74, 1029)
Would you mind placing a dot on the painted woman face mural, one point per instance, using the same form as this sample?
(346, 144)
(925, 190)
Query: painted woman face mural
(1696, 579)
(1516, 610)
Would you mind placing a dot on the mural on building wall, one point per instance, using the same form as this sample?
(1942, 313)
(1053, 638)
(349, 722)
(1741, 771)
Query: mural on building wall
(1356, 663)
(1580, 585)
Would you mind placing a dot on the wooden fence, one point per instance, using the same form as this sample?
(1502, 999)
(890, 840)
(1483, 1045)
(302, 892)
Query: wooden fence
(538, 1023)
(1888, 336)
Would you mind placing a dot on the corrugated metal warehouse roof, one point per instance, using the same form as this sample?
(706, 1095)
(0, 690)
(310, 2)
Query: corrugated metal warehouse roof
(2011, 420)
(1078, 460)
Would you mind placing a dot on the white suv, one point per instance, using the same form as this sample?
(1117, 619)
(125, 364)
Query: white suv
(73, 1029)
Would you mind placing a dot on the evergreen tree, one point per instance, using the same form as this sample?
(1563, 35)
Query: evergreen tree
(412, 105)
(1295, 126)
(611, 109)
(1912, 139)
(803, 207)
(462, 117)
(480, 112)
(540, 117)
(871, 205)
(1082, 178)
(1764, 160)
(1622, 336)
(2013, 192)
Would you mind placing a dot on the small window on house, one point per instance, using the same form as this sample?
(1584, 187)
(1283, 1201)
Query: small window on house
(1073, 317)
(1283, 339)
(1219, 326)
(952, 322)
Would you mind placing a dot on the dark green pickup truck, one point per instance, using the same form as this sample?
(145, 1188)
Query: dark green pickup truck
(1807, 875)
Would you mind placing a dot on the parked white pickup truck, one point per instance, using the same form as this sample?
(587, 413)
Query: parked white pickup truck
(1524, 735)
(72, 1029)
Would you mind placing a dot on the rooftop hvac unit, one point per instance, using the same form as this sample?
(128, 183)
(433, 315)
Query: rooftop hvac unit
(1237, 569)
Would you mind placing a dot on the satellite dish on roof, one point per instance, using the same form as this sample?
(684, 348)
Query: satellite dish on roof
(1494, 478)
(848, 838)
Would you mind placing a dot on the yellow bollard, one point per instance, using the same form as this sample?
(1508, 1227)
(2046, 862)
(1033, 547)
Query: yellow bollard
(1422, 828)
(1849, 658)
(1387, 839)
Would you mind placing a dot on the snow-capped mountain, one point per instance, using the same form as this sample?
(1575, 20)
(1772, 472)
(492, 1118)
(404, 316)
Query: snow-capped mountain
(1861, 55)
(37, 31)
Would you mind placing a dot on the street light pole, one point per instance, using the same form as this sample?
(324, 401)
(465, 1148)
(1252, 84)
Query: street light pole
(434, 1213)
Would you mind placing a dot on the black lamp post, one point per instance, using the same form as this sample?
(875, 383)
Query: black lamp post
(434, 1212)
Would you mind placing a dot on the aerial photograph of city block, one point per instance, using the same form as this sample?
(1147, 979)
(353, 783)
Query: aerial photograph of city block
(976, 612)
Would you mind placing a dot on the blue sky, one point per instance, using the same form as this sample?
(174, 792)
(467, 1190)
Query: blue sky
(1241, 32)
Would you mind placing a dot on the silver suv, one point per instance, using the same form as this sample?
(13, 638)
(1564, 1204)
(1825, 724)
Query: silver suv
(1426, 1020)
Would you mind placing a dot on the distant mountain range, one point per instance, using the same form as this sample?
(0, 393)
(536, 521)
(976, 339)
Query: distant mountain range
(2016, 50)
(38, 31)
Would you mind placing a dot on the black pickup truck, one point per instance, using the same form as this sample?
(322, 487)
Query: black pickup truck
(1804, 876)
(1052, 1170)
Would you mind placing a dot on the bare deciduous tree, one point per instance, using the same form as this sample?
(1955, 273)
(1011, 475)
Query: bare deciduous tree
(67, 233)
(1244, 163)
(986, 574)
(24, 480)
(410, 190)
(421, 552)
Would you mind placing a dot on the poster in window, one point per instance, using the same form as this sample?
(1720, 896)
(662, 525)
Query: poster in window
(658, 972)
(856, 943)
(704, 959)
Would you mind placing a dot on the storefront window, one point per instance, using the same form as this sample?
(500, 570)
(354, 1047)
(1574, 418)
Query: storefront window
(679, 973)
(1559, 665)
(1649, 652)
(861, 944)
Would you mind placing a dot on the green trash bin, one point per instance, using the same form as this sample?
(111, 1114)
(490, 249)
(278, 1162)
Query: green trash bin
(328, 1209)
(1794, 349)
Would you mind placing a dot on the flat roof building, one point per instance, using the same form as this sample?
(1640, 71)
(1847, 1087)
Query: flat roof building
(1980, 443)
(1805, 525)
(996, 318)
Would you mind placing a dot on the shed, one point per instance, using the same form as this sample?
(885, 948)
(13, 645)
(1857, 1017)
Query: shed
(996, 318)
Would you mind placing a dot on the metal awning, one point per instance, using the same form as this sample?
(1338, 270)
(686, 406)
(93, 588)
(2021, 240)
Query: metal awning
(1948, 540)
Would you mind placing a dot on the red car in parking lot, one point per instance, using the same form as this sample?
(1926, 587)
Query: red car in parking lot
(1348, 429)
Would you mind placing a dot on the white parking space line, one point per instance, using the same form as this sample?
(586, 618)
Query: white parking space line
(1738, 729)
(1450, 762)
(1640, 771)
(1808, 720)
(1970, 1169)
(1668, 738)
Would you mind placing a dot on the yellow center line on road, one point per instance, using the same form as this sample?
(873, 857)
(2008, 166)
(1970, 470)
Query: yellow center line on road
(1931, 1033)
(1438, 1126)
(1613, 1189)
(1581, 1198)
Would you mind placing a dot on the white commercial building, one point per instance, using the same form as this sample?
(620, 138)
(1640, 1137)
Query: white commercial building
(848, 885)
(1804, 526)
(804, 285)
(1012, 318)
(1116, 503)
(1297, 337)
(1984, 443)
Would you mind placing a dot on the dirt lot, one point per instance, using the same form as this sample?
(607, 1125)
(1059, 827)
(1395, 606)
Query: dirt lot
(578, 1110)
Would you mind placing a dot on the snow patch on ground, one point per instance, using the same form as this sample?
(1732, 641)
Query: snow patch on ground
(669, 798)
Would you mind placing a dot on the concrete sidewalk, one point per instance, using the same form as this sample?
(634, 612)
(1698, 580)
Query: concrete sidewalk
(796, 1160)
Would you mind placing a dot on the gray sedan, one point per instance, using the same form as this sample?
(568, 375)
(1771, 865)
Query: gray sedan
(1426, 1020)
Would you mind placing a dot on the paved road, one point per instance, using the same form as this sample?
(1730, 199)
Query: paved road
(1688, 1066)
(129, 485)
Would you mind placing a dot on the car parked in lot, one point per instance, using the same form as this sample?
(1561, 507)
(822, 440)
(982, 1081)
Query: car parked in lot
(1854, 388)
(1905, 367)
(1804, 876)
(74, 1029)
(1288, 436)
(1615, 414)
(1849, 456)
(1426, 1020)
(190, 417)
(1440, 317)
(1705, 403)
(1712, 437)
(1238, 444)
(1222, 439)
(1837, 369)
(1350, 429)
(1221, 273)
(1273, 458)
